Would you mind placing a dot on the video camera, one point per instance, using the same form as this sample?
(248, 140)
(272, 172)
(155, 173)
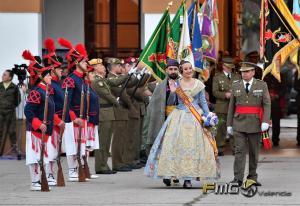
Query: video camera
(20, 71)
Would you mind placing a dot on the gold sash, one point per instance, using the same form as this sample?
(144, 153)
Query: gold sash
(180, 93)
(169, 109)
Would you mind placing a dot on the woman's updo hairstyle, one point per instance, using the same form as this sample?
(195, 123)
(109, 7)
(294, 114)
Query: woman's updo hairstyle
(182, 62)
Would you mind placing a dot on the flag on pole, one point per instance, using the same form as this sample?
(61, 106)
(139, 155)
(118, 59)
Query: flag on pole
(191, 18)
(209, 30)
(296, 14)
(195, 34)
(185, 47)
(174, 38)
(279, 37)
(154, 54)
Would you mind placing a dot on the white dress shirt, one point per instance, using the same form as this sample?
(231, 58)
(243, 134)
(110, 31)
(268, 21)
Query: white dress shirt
(250, 83)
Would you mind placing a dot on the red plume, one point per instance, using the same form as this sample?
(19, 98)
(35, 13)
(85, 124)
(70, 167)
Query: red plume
(65, 43)
(81, 49)
(49, 44)
(28, 56)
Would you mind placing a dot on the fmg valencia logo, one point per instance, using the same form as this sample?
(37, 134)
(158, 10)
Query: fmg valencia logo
(249, 189)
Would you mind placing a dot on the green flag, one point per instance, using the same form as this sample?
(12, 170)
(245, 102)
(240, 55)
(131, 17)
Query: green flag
(154, 53)
(175, 32)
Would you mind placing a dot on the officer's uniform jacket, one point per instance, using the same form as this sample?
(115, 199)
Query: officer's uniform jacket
(221, 85)
(258, 96)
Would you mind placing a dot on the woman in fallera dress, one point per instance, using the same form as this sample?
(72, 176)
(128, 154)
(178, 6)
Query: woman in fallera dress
(184, 148)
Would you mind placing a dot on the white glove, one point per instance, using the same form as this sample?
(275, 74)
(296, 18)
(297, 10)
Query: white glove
(264, 126)
(118, 99)
(138, 76)
(230, 130)
(132, 70)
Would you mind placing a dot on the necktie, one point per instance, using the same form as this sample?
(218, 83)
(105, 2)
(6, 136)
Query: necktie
(228, 76)
(247, 87)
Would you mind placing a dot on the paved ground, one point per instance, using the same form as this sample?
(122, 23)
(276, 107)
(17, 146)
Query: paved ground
(278, 172)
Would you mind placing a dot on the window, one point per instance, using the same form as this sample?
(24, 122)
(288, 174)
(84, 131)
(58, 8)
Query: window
(112, 28)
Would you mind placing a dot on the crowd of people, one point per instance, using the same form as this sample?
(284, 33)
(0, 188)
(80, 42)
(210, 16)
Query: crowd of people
(114, 107)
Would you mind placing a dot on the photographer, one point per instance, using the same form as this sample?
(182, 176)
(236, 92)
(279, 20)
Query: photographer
(9, 100)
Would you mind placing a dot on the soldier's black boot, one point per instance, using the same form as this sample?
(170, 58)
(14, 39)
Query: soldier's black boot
(187, 184)
(167, 182)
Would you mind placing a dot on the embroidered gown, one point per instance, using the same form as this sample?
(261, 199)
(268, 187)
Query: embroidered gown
(181, 149)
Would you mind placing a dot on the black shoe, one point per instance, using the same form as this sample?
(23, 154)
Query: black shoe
(187, 184)
(298, 144)
(220, 153)
(143, 160)
(240, 182)
(167, 182)
(176, 181)
(275, 144)
(141, 164)
(123, 169)
(134, 166)
(106, 172)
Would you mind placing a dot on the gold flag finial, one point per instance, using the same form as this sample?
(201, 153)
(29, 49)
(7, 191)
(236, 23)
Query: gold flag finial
(170, 4)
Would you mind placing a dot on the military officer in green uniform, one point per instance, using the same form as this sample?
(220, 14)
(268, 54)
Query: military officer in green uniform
(107, 102)
(221, 89)
(140, 101)
(121, 115)
(248, 115)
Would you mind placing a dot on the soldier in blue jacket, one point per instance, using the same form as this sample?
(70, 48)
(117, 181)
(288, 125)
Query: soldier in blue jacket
(34, 112)
(74, 83)
(54, 62)
(92, 114)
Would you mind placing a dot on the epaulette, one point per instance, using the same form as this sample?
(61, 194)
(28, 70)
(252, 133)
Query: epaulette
(236, 81)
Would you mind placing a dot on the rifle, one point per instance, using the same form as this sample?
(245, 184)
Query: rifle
(44, 182)
(60, 175)
(125, 85)
(86, 166)
(81, 176)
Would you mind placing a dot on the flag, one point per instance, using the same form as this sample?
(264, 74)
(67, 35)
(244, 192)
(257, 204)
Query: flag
(279, 36)
(191, 18)
(195, 33)
(296, 14)
(174, 38)
(185, 47)
(209, 22)
(154, 54)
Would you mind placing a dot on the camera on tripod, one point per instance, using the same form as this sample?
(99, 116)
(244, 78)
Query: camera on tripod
(20, 71)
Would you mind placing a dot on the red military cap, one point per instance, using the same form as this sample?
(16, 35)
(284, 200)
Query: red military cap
(36, 69)
(131, 60)
(74, 55)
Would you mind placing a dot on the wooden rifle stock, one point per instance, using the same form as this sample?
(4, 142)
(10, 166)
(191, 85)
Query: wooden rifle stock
(44, 182)
(86, 166)
(81, 175)
(60, 175)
